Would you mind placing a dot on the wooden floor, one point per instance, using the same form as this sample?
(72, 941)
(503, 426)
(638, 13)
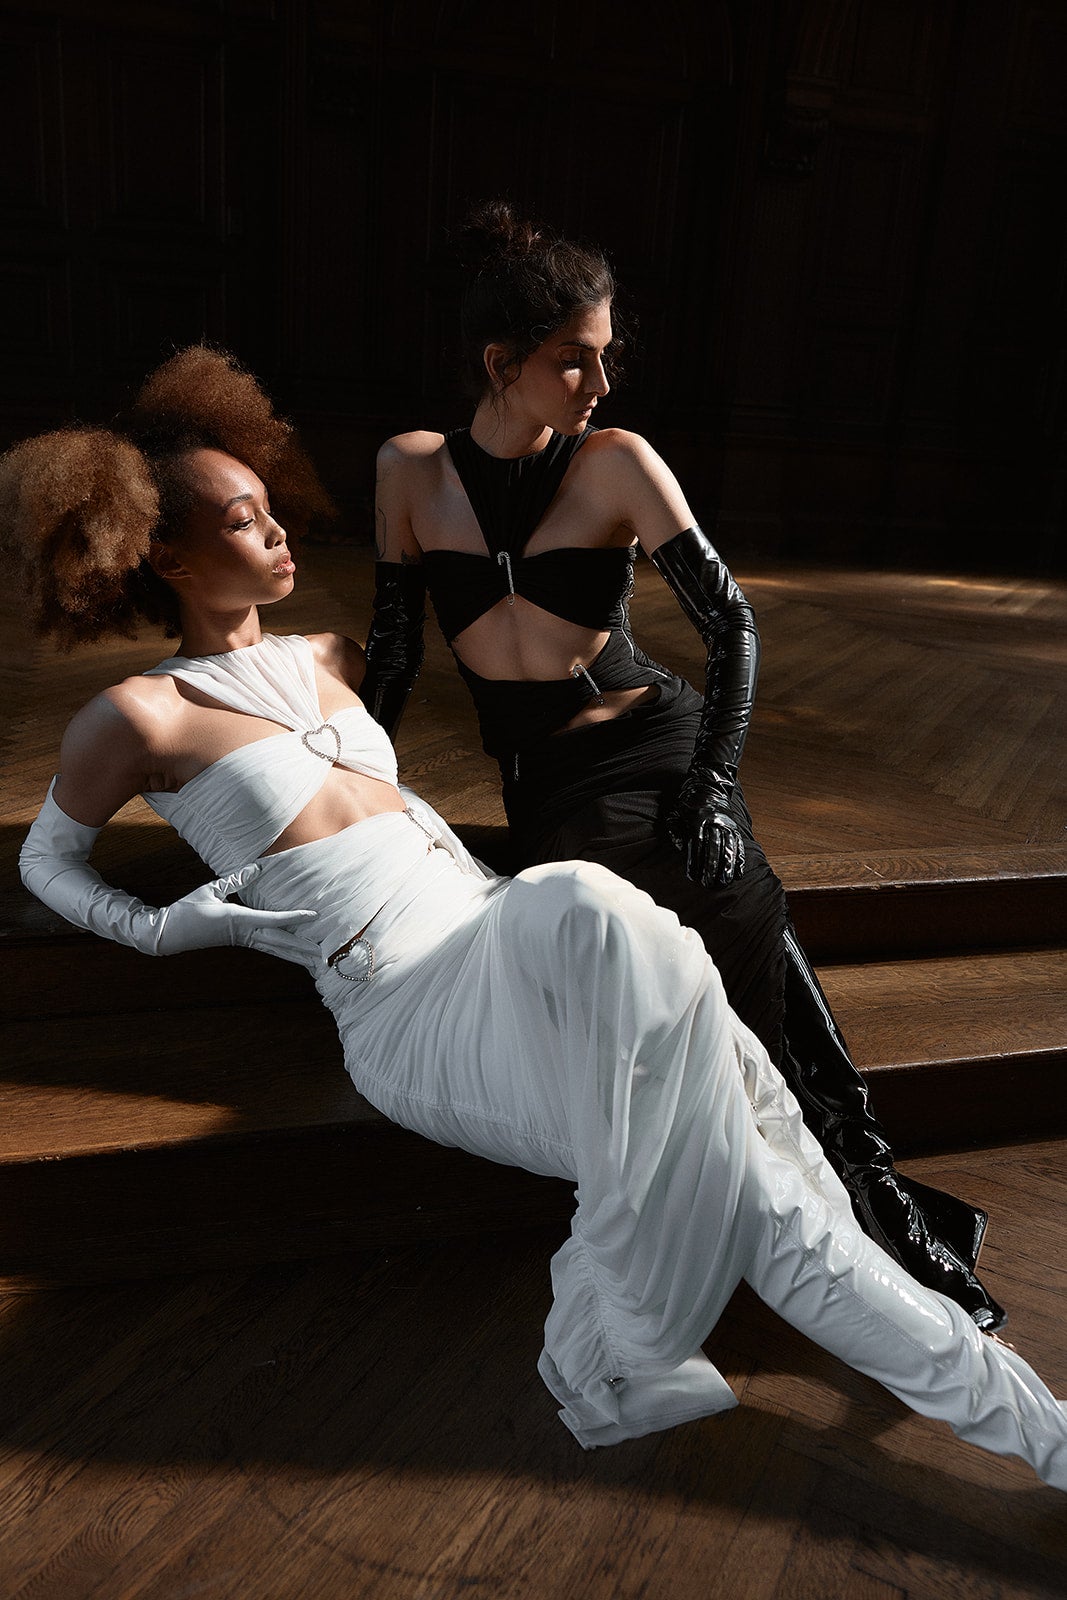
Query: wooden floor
(371, 1424)
(374, 1427)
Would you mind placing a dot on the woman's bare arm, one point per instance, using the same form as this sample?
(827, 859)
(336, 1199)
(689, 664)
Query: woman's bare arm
(644, 492)
(403, 463)
(105, 755)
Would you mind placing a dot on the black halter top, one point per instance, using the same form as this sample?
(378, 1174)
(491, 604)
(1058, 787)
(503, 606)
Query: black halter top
(509, 497)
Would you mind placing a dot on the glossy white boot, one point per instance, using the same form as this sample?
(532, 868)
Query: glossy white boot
(815, 1267)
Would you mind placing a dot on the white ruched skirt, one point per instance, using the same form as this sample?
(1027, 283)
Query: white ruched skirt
(562, 1022)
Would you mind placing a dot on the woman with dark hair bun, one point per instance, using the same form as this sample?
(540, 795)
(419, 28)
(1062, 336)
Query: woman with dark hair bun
(557, 1021)
(524, 528)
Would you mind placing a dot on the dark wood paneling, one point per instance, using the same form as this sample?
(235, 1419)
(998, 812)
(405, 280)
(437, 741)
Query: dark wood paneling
(841, 226)
(35, 326)
(31, 172)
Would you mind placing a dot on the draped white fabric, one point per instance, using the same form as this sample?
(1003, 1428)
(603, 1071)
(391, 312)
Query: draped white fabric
(236, 808)
(562, 1022)
(558, 1021)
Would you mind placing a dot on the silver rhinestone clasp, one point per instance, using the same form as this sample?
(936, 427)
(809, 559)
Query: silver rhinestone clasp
(580, 672)
(504, 560)
(326, 734)
(361, 953)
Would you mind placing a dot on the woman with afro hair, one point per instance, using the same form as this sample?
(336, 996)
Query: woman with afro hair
(558, 1021)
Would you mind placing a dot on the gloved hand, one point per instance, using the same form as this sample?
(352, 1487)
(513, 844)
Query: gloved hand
(700, 824)
(54, 867)
(205, 918)
(395, 641)
(706, 835)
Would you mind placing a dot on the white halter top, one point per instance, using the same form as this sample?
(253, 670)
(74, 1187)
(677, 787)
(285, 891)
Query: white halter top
(235, 809)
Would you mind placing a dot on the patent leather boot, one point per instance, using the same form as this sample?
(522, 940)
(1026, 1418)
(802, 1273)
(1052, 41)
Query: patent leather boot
(932, 1235)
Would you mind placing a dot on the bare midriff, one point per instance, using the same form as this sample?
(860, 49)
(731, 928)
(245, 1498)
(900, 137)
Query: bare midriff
(610, 706)
(344, 799)
(519, 641)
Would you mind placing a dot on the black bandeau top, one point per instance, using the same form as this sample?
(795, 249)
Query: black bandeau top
(509, 497)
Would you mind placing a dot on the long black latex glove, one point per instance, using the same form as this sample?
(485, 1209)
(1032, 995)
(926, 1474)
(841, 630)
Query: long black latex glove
(394, 643)
(700, 824)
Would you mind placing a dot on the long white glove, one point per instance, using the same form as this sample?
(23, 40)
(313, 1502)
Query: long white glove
(54, 867)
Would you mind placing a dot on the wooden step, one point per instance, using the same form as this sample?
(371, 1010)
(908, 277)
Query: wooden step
(876, 906)
(959, 1049)
(191, 1132)
(905, 771)
(884, 905)
(185, 1136)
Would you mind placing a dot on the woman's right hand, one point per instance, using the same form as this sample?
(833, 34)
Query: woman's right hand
(705, 833)
(206, 917)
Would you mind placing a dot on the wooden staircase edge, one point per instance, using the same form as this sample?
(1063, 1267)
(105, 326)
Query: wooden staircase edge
(314, 1194)
(971, 1101)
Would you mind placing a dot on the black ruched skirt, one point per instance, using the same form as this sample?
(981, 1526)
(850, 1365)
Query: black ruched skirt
(601, 793)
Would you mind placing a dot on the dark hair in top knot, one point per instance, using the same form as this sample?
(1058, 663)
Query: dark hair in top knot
(80, 508)
(492, 232)
(526, 283)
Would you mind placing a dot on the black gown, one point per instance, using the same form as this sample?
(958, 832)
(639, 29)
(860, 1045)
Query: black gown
(601, 793)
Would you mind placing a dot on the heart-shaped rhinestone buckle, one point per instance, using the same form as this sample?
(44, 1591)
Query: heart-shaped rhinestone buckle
(309, 736)
(358, 956)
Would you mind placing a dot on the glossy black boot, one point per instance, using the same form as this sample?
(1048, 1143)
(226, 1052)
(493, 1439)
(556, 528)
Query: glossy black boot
(933, 1236)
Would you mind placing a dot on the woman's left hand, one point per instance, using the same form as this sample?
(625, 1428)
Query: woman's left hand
(207, 917)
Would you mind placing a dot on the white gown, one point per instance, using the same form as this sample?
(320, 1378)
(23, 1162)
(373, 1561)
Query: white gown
(562, 1022)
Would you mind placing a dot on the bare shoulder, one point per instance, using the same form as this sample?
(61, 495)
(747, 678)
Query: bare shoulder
(636, 481)
(119, 729)
(340, 656)
(135, 711)
(112, 745)
(618, 447)
(408, 476)
(334, 650)
(410, 450)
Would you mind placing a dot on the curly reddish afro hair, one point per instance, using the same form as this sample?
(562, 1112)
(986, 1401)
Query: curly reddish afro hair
(81, 507)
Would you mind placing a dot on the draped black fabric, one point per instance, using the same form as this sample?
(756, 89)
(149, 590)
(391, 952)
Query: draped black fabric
(510, 495)
(600, 793)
